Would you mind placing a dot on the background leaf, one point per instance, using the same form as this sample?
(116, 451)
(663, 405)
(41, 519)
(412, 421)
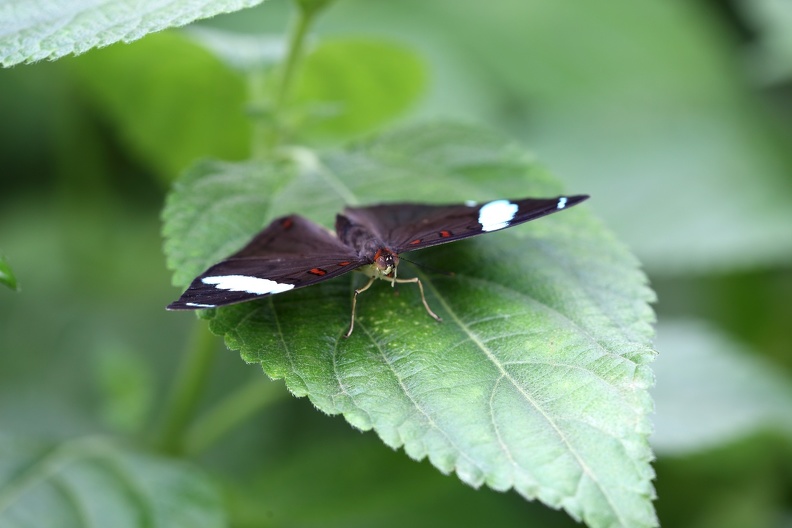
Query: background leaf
(91, 482)
(50, 29)
(536, 380)
(667, 120)
(171, 101)
(357, 84)
(711, 390)
(771, 54)
(330, 449)
(7, 277)
(125, 383)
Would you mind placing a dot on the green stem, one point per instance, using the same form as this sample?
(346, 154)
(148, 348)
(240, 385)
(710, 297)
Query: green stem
(262, 125)
(187, 388)
(274, 133)
(296, 44)
(230, 412)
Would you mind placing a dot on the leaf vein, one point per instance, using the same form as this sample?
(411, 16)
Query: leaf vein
(416, 405)
(546, 307)
(494, 360)
(493, 421)
(286, 349)
(72, 499)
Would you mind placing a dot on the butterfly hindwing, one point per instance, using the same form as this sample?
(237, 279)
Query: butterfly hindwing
(290, 253)
(406, 227)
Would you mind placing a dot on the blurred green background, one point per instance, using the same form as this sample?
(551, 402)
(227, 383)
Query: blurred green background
(675, 116)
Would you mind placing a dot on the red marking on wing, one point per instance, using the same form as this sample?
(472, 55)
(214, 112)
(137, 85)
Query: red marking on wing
(445, 234)
(345, 263)
(416, 241)
(378, 254)
(287, 223)
(318, 271)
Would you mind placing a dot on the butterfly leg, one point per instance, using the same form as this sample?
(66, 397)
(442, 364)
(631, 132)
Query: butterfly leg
(354, 303)
(423, 297)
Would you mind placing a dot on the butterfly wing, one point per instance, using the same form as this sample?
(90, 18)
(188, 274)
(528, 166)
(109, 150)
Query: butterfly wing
(406, 227)
(290, 253)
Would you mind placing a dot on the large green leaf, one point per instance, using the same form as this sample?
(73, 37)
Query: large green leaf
(91, 482)
(50, 29)
(536, 380)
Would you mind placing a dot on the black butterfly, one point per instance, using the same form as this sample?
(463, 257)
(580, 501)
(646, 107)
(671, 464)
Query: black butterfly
(293, 252)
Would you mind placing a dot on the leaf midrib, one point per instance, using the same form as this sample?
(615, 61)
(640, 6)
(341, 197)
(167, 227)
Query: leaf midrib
(57, 459)
(504, 374)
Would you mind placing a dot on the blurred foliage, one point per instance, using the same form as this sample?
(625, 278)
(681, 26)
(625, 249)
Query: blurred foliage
(675, 116)
(349, 86)
(93, 481)
(168, 112)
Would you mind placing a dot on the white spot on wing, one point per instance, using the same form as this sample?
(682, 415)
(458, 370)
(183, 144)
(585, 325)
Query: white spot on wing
(247, 284)
(471, 203)
(199, 305)
(496, 215)
(561, 202)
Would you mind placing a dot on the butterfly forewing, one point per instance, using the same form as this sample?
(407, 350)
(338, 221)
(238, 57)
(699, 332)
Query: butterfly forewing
(293, 252)
(406, 227)
(290, 253)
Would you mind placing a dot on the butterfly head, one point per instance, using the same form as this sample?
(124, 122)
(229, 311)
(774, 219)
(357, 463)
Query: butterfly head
(385, 263)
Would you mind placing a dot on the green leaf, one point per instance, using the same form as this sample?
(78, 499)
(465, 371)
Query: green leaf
(353, 85)
(711, 390)
(91, 482)
(7, 275)
(536, 380)
(53, 28)
(171, 101)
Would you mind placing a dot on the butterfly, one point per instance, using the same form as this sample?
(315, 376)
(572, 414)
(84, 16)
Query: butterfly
(293, 252)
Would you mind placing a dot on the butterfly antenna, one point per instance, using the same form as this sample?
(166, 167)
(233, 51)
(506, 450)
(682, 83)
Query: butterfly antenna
(429, 268)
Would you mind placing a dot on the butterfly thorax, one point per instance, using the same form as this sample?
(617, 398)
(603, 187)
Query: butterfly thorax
(383, 261)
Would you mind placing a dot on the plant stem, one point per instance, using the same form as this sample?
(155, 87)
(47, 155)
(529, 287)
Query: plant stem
(187, 388)
(273, 133)
(230, 412)
(262, 138)
(296, 43)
